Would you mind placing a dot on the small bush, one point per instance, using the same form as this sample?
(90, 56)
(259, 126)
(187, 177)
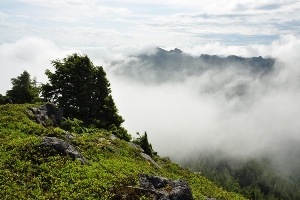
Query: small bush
(72, 125)
(144, 143)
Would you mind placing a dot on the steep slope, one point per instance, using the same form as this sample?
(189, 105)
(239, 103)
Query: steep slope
(29, 171)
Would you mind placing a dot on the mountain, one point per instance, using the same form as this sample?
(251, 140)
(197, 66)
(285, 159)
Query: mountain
(175, 65)
(43, 161)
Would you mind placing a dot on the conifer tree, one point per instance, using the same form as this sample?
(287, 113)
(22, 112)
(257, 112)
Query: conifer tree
(83, 91)
(142, 140)
(3, 99)
(24, 89)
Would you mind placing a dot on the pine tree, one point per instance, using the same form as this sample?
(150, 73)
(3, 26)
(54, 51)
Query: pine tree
(3, 99)
(24, 89)
(83, 91)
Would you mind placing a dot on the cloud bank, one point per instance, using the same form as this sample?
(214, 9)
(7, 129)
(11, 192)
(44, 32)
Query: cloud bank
(226, 108)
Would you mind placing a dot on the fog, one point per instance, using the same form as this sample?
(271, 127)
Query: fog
(228, 108)
(186, 106)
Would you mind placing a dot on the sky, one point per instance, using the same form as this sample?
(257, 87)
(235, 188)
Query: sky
(176, 115)
(94, 23)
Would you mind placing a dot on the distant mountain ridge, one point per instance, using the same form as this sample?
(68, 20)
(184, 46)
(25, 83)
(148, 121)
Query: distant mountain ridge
(213, 60)
(175, 65)
(256, 62)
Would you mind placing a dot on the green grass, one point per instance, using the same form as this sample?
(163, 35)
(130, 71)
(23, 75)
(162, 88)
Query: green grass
(28, 172)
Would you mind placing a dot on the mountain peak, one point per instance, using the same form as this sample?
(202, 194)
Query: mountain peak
(174, 51)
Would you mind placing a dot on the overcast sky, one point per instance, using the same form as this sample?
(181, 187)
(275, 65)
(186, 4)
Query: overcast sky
(96, 23)
(33, 32)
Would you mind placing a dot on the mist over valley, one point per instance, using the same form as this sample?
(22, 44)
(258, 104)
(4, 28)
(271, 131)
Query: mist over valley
(245, 107)
(233, 118)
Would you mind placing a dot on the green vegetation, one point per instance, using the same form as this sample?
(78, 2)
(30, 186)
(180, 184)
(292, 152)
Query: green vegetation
(29, 172)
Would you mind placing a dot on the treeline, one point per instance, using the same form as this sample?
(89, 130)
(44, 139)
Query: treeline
(254, 178)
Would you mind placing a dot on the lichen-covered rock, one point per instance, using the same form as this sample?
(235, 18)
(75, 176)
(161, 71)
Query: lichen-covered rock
(68, 135)
(62, 147)
(165, 189)
(113, 137)
(148, 158)
(47, 114)
(136, 146)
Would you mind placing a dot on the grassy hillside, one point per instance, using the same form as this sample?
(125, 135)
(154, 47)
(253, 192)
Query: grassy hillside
(29, 172)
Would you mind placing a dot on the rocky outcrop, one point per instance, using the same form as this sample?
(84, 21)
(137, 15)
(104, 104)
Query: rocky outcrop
(165, 189)
(59, 146)
(47, 114)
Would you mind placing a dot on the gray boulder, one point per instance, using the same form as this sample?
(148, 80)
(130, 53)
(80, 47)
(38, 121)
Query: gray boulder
(136, 146)
(165, 189)
(113, 137)
(60, 146)
(47, 114)
(68, 135)
(148, 158)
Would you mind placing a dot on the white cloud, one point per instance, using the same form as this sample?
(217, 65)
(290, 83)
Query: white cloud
(30, 54)
(34, 54)
(117, 10)
(245, 18)
(285, 49)
(159, 23)
(250, 7)
(46, 3)
(63, 19)
(238, 17)
(58, 3)
(191, 4)
(3, 16)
